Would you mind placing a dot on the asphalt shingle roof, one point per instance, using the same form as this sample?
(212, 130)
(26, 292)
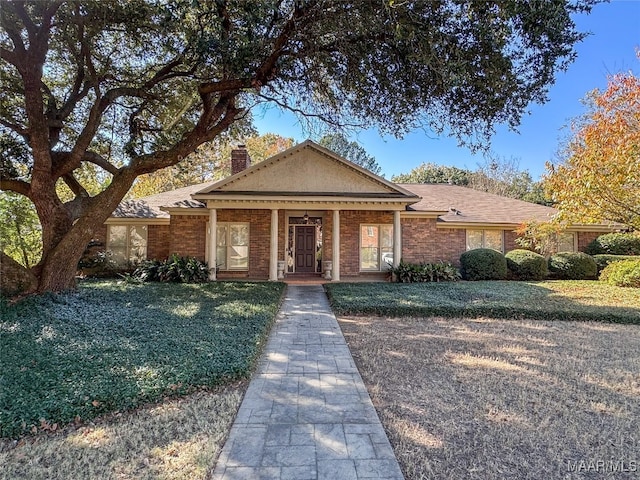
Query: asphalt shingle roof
(465, 205)
(149, 207)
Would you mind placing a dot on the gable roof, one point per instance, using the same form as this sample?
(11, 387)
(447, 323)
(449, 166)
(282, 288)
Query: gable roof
(306, 169)
(465, 205)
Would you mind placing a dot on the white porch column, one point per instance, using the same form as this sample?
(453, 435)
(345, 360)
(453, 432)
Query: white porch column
(213, 241)
(336, 246)
(273, 248)
(397, 239)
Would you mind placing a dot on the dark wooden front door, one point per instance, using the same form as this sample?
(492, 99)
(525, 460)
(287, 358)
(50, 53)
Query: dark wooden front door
(305, 249)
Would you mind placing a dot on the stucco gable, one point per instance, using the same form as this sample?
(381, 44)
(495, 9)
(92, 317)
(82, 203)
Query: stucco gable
(306, 168)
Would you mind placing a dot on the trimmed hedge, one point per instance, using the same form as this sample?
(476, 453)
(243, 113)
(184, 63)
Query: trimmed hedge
(603, 260)
(625, 273)
(175, 269)
(425, 272)
(526, 265)
(573, 266)
(615, 244)
(483, 264)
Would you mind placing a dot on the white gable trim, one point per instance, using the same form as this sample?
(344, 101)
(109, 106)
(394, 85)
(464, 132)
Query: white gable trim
(221, 186)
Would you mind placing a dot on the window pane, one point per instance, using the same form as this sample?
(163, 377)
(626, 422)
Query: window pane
(117, 236)
(239, 257)
(369, 258)
(238, 235)
(221, 257)
(137, 243)
(566, 242)
(386, 236)
(368, 236)
(221, 235)
(119, 255)
(493, 239)
(474, 239)
(387, 258)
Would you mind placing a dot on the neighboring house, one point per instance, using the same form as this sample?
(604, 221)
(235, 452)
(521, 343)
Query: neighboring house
(309, 211)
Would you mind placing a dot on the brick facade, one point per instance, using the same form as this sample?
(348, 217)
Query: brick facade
(158, 242)
(585, 238)
(510, 237)
(350, 221)
(423, 242)
(188, 235)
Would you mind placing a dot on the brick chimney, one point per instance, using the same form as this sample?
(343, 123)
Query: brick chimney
(240, 159)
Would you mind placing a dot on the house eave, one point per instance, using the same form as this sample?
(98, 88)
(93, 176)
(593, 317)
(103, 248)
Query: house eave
(137, 221)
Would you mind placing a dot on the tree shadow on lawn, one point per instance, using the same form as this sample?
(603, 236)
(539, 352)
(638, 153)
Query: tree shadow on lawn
(494, 399)
(112, 348)
(178, 439)
(496, 299)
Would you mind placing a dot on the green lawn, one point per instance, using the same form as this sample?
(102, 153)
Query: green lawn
(112, 346)
(551, 300)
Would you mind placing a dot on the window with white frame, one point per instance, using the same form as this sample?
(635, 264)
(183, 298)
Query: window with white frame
(566, 242)
(232, 246)
(485, 239)
(376, 247)
(127, 243)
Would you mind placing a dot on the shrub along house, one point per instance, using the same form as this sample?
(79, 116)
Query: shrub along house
(308, 211)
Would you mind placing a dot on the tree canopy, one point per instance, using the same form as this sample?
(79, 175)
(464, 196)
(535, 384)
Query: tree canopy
(134, 86)
(496, 175)
(599, 180)
(211, 161)
(352, 151)
(433, 173)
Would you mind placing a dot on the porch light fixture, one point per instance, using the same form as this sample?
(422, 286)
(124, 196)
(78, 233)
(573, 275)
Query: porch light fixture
(306, 217)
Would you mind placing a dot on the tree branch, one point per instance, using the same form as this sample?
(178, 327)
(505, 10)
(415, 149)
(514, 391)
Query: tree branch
(79, 150)
(16, 128)
(26, 21)
(60, 160)
(224, 86)
(73, 184)
(319, 116)
(12, 31)
(8, 56)
(224, 110)
(13, 185)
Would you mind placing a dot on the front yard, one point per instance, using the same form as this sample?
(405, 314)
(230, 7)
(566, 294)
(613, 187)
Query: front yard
(551, 300)
(490, 398)
(111, 347)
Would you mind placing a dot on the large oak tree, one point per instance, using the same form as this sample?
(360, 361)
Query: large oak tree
(135, 86)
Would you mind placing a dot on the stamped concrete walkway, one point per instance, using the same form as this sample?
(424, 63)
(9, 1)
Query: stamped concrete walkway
(306, 414)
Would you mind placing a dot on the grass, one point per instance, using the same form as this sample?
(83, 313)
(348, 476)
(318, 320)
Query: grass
(178, 439)
(111, 347)
(550, 300)
(496, 399)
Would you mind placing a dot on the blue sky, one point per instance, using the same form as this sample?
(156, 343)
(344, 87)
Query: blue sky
(611, 48)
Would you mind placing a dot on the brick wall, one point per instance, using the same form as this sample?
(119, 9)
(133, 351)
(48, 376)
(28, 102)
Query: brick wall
(158, 242)
(423, 242)
(188, 235)
(510, 241)
(585, 238)
(259, 239)
(350, 221)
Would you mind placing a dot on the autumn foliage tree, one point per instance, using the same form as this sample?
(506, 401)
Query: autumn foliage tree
(134, 86)
(600, 178)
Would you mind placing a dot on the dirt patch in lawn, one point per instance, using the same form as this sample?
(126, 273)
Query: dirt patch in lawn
(177, 439)
(499, 399)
